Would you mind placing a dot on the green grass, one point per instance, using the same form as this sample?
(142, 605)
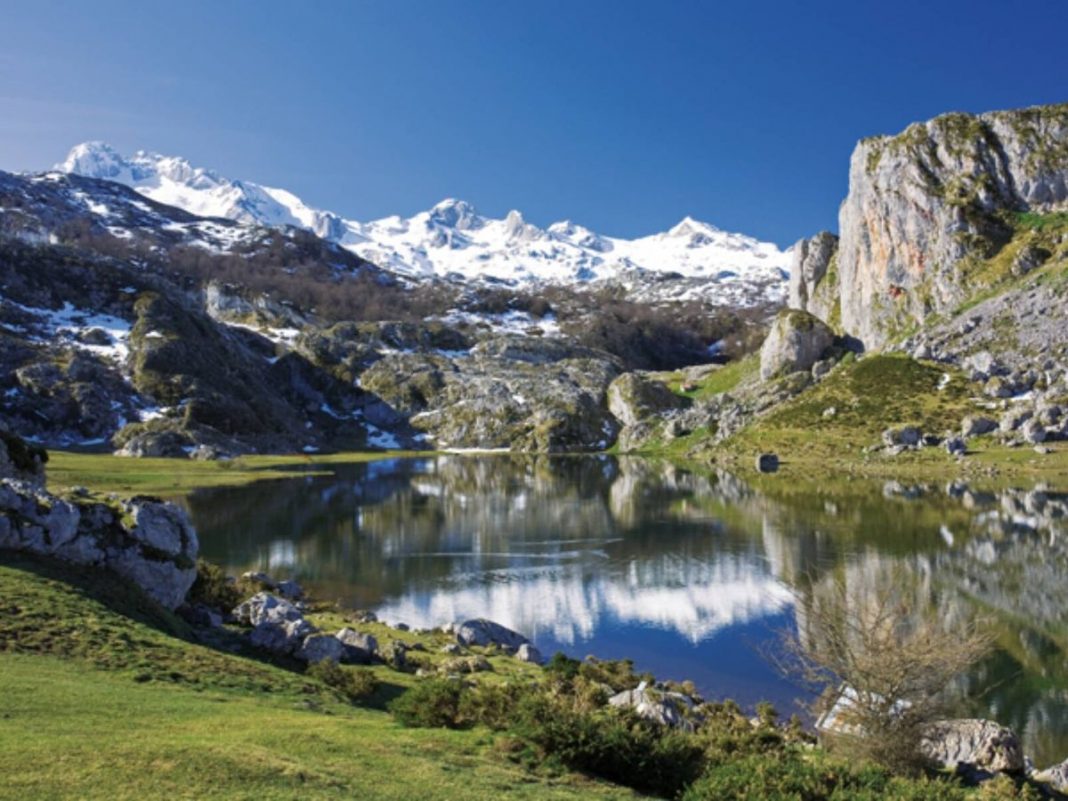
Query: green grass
(717, 382)
(869, 395)
(99, 704)
(172, 478)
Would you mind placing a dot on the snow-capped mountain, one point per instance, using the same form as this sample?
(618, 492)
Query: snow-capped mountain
(453, 240)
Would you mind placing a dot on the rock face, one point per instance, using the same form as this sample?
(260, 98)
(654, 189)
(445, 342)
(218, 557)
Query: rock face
(632, 397)
(980, 744)
(485, 632)
(922, 205)
(147, 542)
(814, 277)
(796, 341)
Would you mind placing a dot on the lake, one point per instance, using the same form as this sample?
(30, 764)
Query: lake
(692, 574)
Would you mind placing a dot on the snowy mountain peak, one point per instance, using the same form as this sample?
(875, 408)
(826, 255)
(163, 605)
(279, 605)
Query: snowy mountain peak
(93, 160)
(688, 226)
(458, 214)
(452, 239)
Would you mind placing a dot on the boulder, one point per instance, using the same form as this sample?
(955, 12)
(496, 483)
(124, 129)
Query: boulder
(977, 425)
(20, 460)
(321, 648)
(670, 709)
(955, 446)
(465, 664)
(633, 397)
(767, 462)
(972, 743)
(485, 632)
(528, 653)
(1056, 777)
(395, 655)
(360, 648)
(264, 607)
(796, 341)
(281, 636)
(1033, 432)
(906, 437)
(1014, 419)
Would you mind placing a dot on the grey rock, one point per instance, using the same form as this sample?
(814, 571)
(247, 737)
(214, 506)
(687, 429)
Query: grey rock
(395, 655)
(977, 425)
(263, 607)
(152, 544)
(633, 397)
(767, 462)
(905, 437)
(1014, 419)
(281, 636)
(975, 743)
(796, 341)
(451, 648)
(528, 653)
(1033, 432)
(1055, 776)
(360, 648)
(955, 446)
(670, 709)
(810, 287)
(484, 632)
(321, 648)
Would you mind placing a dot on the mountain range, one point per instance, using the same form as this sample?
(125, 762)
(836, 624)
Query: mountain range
(452, 240)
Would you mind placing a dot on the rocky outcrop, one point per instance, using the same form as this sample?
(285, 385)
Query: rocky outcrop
(929, 203)
(670, 709)
(972, 743)
(521, 393)
(796, 341)
(633, 397)
(150, 543)
(814, 276)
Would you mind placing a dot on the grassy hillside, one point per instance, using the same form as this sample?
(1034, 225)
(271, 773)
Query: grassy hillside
(98, 704)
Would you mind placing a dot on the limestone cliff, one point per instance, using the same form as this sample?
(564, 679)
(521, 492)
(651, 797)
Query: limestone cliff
(929, 207)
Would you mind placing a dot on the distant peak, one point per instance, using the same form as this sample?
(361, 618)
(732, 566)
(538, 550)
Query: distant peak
(92, 159)
(688, 226)
(454, 213)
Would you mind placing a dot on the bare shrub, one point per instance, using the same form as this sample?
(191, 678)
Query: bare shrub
(885, 656)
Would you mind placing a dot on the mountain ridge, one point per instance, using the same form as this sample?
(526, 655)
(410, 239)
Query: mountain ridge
(452, 240)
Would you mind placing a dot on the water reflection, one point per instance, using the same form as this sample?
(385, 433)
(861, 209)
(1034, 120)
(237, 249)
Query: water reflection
(687, 572)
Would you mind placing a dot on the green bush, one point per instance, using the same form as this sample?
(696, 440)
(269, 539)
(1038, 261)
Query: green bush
(792, 776)
(213, 588)
(612, 744)
(354, 683)
(433, 703)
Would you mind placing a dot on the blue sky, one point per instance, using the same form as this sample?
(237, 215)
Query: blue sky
(624, 116)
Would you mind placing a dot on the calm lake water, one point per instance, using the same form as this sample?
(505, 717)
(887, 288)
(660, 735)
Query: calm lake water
(692, 575)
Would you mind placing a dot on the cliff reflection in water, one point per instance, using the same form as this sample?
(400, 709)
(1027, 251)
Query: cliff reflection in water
(686, 572)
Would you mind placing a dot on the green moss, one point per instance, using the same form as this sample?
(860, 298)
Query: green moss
(717, 381)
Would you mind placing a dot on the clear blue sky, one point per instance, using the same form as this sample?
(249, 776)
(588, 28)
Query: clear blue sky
(624, 116)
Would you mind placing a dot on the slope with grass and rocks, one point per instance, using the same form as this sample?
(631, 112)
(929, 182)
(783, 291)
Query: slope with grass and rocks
(935, 322)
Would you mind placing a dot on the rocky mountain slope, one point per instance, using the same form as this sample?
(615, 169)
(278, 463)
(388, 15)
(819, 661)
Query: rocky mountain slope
(451, 240)
(128, 324)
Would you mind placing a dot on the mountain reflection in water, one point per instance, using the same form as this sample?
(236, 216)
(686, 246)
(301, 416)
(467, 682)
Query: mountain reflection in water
(691, 574)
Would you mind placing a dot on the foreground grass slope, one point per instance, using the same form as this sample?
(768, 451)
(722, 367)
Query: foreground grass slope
(99, 704)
